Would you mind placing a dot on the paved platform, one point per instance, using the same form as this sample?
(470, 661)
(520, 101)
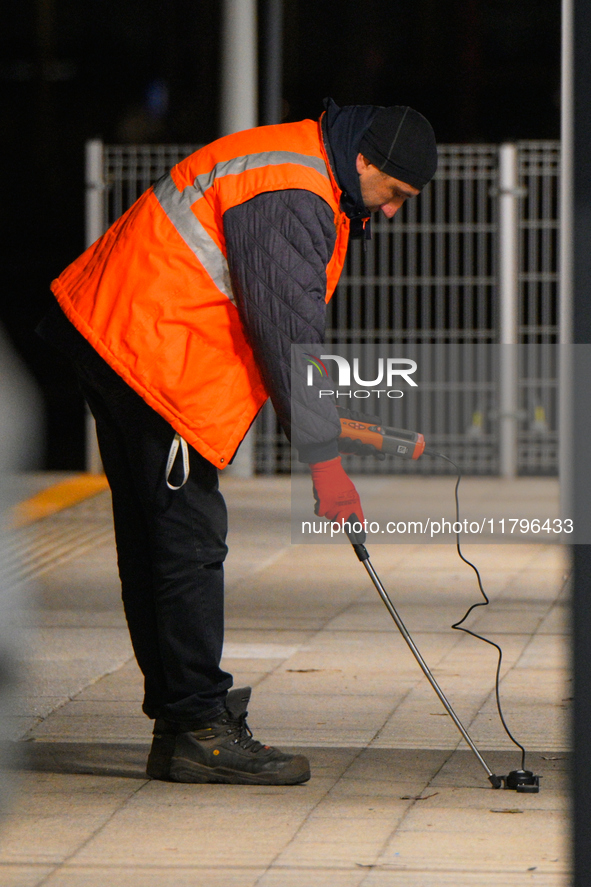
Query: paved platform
(395, 797)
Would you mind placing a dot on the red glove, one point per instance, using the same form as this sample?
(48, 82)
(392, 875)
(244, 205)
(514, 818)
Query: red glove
(334, 491)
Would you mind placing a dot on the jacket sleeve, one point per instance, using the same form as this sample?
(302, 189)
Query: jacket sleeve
(278, 246)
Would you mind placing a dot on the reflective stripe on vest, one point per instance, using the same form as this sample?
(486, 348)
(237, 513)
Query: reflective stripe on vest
(177, 206)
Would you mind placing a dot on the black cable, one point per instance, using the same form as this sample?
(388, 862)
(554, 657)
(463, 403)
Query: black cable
(458, 625)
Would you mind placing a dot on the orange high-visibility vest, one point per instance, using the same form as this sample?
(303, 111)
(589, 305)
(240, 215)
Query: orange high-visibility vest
(153, 294)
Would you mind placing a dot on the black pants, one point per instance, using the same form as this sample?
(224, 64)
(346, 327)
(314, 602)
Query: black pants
(170, 549)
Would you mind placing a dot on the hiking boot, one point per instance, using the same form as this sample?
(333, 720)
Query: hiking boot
(221, 750)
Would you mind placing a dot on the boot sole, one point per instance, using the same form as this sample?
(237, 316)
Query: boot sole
(184, 770)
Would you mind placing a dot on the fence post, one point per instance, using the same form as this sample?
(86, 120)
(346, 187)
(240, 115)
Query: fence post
(239, 66)
(95, 185)
(94, 227)
(508, 292)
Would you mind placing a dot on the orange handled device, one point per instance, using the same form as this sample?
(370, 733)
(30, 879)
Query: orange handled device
(360, 432)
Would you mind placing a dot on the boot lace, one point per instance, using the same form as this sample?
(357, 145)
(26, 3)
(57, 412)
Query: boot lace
(242, 733)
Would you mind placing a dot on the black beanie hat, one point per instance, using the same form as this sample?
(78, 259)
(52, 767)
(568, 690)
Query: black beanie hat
(401, 143)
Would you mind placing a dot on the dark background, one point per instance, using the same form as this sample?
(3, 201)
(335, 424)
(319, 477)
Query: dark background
(148, 71)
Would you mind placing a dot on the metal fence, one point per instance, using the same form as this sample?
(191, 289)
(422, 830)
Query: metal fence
(437, 274)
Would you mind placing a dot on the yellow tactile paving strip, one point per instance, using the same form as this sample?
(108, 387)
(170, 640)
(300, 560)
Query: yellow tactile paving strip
(57, 497)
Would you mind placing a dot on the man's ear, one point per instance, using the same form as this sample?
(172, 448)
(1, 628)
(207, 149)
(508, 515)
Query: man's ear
(361, 163)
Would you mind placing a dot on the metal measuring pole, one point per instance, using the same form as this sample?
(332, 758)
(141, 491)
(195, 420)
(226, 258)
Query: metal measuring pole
(363, 555)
